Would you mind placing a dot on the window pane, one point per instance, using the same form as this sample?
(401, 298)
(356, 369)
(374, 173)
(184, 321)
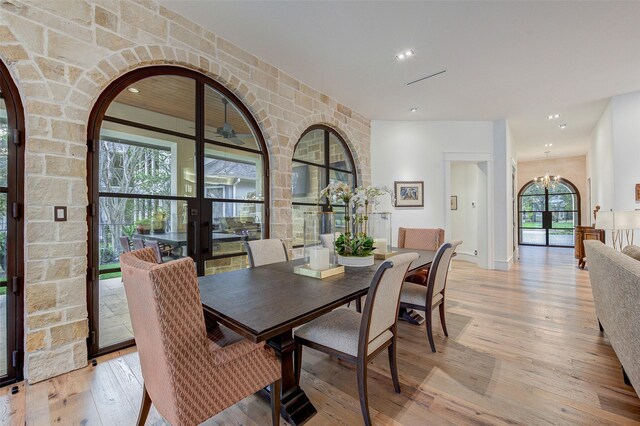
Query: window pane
(531, 220)
(560, 188)
(233, 224)
(532, 202)
(533, 236)
(563, 202)
(307, 182)
(338, 157)
(564, 220)
(311, 148)
(225, 123)
(533, 189)
(4, 140)
(561, 237)
(298, 222)
(162, 220)
(3, 283)
(233, 174)
(137, 161)
(113, 311)
(217, 266)
(167, 102)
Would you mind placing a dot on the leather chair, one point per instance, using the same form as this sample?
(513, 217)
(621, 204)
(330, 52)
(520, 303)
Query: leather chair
(420, 239)
(189, 374)
(358, 338)
(427, 298)
(265, 252)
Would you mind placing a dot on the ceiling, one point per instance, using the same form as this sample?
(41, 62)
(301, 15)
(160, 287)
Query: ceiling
(516, 60)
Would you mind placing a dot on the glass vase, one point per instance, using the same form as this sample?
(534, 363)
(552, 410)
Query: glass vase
(380, 230)
(319, 238)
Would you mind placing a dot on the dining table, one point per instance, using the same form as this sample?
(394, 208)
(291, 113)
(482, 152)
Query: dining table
(266, 303)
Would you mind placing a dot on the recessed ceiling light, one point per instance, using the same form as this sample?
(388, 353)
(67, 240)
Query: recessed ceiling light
(133, 90)
(414, 109)
(405, 54)
(563, 125)
(548, 144)
(551, 117)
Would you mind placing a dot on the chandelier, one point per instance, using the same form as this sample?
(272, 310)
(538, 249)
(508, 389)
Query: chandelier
(547, 181)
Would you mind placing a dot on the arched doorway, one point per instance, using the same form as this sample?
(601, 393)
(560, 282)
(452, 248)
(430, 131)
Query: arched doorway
(11, 229)
(548, 216)
(175, 161)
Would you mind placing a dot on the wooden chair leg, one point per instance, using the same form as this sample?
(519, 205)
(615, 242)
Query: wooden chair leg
(442, 319)
(297, 364)
(600, 325)
(274, 389)
(359, 305)
(145, 406)
(393, 365)
(430, 331)
(362, 391)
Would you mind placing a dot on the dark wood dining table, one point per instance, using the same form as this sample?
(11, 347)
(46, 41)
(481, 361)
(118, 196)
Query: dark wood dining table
(265, 304)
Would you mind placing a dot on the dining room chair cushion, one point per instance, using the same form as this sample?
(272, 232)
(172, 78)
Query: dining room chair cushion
(419, 277)
(266, 252)
(416, 294)
(339, 330)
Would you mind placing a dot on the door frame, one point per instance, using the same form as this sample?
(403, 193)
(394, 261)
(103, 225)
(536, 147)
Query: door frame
(15, 223)
(546, 214)
(197, 248)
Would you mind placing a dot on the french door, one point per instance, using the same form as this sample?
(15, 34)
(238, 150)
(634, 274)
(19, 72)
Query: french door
(11, 225)
(175, 160)
(547, 217)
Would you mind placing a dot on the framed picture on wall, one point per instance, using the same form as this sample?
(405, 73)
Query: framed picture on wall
(409, 194)
(637, 192)
(454, 202)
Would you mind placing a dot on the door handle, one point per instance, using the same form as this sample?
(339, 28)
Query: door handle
(194, 226)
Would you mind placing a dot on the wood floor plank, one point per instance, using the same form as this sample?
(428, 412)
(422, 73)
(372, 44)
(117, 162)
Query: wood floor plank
(523, 348)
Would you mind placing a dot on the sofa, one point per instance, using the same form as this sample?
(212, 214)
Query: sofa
(615, 282)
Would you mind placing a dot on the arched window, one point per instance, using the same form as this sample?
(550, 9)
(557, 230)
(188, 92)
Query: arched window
(177, 161)
(11, 229)
(321, 157)
(547, 217)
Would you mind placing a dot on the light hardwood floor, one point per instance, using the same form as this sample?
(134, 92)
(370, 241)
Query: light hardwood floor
(523, 347)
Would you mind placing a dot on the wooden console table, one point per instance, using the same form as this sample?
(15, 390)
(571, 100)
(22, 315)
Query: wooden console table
(585, 233)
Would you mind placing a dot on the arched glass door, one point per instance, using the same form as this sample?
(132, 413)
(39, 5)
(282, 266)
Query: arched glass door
(11, 226)
(547, 217)
(177, 163)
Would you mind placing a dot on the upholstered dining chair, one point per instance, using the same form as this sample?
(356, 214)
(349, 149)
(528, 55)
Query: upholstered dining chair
(265, 252)
(125, 245)
(420, 239)
(427, 298)
(137, 243)
(359, 338)
(189, 375)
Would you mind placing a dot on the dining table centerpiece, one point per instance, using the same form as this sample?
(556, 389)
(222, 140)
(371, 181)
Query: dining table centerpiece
(354, 245)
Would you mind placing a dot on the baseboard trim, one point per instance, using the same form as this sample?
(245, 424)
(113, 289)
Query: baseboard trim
(503, 265)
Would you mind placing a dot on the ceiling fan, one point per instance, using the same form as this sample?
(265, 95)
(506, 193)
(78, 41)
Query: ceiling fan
(226, 131)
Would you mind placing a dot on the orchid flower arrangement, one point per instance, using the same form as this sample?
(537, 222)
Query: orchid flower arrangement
(357, 203)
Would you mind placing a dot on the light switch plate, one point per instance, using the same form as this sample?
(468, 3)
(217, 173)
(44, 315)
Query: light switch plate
(60, 213)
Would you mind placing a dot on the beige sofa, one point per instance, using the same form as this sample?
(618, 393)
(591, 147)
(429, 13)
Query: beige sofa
(615, 282)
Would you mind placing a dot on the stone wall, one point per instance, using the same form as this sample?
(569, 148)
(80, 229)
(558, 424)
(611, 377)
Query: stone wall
(62, 54)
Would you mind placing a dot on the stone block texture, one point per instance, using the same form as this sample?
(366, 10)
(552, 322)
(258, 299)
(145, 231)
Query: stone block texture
(62, 54)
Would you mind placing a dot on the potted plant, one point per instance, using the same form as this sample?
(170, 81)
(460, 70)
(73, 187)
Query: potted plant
(354, 246)
(158, 222)
(143, 226)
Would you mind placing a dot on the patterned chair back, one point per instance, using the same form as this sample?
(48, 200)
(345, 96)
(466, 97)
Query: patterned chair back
(381, 308)
(265, 252)
(420, 238)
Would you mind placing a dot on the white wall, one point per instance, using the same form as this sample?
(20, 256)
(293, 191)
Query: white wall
(464, 220)
(626, 150)
(415, 150)
(600, 162)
